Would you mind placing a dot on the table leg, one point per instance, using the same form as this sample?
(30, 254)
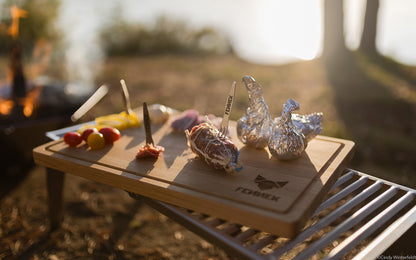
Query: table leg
(55, 181)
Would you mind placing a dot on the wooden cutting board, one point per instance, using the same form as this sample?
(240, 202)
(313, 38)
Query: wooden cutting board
(268, 194)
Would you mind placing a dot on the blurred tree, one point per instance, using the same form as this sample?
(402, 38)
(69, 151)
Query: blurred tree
(369, 35)
(333, 38)
(39, 23)
(120, 37)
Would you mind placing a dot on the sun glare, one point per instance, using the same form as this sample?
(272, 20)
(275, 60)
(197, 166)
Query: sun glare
(287, 32)
(300, 28)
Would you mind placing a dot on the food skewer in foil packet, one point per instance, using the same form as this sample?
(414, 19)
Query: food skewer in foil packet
(149, 150)
(287, 141)
(254, 128)
(213, 145)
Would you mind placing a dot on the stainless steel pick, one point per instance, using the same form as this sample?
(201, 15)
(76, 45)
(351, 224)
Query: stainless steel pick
(227, 111)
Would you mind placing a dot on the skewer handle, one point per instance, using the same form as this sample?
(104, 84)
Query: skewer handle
(126, 97)
(227, 110)
(91, 102)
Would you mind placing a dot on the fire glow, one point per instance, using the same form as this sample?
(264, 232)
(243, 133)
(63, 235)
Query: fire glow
(6, 106)
(26, 101)
(16, 13)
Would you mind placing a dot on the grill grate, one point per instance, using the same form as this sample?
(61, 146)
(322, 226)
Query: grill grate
(361, 216)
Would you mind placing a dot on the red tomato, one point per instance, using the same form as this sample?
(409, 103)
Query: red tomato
(87, 132)
(72, 139)
(110, 134)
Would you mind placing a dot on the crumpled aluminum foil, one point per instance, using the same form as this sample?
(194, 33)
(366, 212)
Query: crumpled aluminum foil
(254, 128)
(310, 125)
(287, 141)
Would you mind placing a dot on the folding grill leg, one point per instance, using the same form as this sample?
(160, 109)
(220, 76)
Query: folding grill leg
(55, 182)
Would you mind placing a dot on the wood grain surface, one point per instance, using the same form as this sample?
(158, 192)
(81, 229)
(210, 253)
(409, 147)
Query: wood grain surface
(269, 194)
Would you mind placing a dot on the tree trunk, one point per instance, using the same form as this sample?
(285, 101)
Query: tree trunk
(368, 38)
(333, 38)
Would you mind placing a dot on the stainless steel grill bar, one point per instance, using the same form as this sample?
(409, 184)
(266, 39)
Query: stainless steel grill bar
(349, 223)
(344, 178)
(327, 220)
(262, 242)
(340, 195)
(246, 235)
(207, 232)
(370, 227)
(388, 236)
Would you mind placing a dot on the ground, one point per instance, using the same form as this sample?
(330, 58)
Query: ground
(369, 101)
(100, 222)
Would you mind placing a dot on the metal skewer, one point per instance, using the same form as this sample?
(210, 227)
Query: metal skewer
(227, 111)
(126, 97)
(147, 128)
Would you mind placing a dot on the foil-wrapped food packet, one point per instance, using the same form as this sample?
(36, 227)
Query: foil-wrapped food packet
(310, 125)
(287, 141)
(254, 128)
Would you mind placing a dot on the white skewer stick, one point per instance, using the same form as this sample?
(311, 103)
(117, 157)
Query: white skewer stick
(126, 97)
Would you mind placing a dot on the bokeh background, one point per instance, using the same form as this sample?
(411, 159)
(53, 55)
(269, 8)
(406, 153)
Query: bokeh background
(352, 60)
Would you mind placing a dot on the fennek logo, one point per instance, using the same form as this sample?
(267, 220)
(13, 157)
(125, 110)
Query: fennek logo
(265, 184)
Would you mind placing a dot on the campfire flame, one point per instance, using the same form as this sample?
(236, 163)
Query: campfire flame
(41, 53)
(6, 106)
(27, 102)
(16, 13)
(30, 102)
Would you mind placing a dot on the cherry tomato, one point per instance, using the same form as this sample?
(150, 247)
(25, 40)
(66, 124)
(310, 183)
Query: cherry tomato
(96, 141)
(110, 134)
(72, 139)
(87, 132)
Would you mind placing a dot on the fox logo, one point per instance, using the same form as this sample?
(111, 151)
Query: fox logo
(265, 184)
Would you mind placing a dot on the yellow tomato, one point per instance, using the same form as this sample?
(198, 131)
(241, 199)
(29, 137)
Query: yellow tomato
(96, 141)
